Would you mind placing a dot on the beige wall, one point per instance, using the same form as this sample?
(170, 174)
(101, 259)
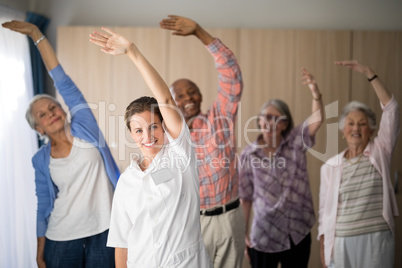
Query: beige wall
(271, 61)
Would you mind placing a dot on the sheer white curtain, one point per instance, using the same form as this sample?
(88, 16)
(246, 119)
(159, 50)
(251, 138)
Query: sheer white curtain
(18, 144)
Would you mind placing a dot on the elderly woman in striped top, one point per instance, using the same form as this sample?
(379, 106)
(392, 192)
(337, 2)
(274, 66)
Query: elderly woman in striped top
(357, 203)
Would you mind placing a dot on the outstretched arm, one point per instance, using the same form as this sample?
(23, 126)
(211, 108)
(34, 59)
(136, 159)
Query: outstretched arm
(184, 27)
(115, 44)
(45, 48)
(381, 91)
(230, 77)
(317, 108)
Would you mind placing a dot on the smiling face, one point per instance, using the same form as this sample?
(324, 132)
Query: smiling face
(49, 116)
(357, 131)
(271, 123)
(147, 132)
(187, 97)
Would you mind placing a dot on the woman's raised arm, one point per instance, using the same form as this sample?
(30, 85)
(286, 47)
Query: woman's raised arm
(379, 87)
(45, 48)
(115, 44)
(317, 107)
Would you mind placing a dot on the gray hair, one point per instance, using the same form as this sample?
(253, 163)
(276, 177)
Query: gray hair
(357, 106)
(31, 119)
(283, 109)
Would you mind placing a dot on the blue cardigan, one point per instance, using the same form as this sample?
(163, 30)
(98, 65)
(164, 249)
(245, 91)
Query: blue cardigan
(83, 126)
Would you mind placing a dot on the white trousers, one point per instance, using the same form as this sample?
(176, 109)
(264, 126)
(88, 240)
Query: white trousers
(369, 251)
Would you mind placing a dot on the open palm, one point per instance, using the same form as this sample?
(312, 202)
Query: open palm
(111, 43)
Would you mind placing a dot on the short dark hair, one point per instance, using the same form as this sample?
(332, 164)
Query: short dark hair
(141, 105)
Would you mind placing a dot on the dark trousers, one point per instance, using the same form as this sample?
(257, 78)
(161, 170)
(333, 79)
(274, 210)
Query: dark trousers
(296, 257)
(87, 252)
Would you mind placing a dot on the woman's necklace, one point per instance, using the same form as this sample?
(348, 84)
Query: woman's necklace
(357, 161)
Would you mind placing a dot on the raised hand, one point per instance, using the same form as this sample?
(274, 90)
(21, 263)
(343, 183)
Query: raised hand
(379, 87)
(308, 79)
(46, 50)
(110, 42)
(180, 25)
(21, 27)
(356, 66)
(314, 121)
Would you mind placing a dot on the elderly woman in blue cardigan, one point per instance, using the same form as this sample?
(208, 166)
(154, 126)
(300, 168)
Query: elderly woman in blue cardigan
(75, 173)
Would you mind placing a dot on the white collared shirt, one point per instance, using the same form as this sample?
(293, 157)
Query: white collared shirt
(155, 213)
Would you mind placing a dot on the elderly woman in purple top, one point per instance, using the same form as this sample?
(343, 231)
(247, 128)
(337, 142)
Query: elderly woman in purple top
(274, 182)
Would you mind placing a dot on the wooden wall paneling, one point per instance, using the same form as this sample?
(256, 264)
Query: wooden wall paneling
(378, 50)
(88, 67)
(383, 52)
(82, 62)
(188, 58)
(316, 51)
(268, 63)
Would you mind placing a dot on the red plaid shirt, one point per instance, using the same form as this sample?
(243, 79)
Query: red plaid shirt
(213, 133)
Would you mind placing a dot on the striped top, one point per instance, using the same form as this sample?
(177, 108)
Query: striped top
(360, 199)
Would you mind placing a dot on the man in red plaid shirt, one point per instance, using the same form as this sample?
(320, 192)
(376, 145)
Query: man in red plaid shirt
(212, 134)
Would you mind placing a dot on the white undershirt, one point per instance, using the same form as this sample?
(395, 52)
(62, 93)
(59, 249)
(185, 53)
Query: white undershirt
(83, 203)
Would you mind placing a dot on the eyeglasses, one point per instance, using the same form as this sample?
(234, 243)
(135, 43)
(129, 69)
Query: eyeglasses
(274, 118)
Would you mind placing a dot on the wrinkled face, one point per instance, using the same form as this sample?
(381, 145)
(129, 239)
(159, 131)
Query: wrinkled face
(357, 131)
(187, 97)
(271, 123)
(147, 132)
(49, 116)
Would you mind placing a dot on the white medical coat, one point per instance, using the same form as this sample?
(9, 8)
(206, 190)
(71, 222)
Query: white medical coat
(155, 213)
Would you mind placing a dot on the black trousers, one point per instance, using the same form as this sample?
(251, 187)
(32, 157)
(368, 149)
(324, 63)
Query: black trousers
(296, 257)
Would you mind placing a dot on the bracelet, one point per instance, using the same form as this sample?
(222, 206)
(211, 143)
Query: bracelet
(372, 78)
(319, 97)
(40, 40)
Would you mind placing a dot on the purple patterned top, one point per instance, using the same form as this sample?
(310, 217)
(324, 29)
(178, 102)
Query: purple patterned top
(279, 190)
